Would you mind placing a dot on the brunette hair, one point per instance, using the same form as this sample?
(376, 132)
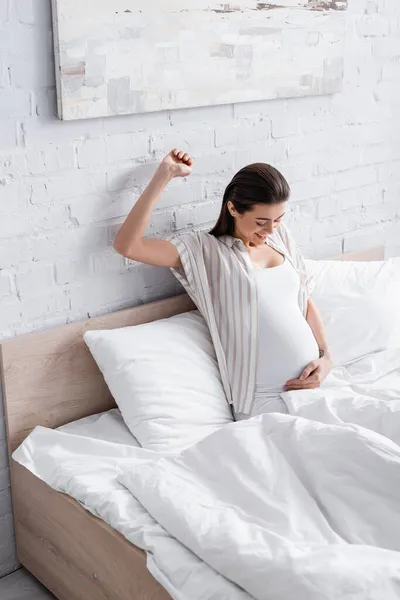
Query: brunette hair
(258, 183)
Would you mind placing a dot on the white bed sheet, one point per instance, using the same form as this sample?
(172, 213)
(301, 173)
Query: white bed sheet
(108, 426)
(84, 459)
(75, 461)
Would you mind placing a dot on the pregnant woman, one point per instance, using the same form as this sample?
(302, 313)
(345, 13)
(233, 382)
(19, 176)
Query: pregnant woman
(248, 280)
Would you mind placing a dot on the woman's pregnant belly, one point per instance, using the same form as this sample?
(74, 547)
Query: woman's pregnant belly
(286, 346)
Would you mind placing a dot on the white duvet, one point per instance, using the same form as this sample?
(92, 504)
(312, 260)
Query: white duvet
(288, 507)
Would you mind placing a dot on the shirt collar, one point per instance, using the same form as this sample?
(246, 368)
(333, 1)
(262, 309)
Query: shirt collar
(231, 241)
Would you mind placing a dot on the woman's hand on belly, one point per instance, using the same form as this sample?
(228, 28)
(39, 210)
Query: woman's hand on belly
(312, 376)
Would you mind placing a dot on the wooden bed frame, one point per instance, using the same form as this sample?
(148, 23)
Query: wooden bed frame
(50, 379)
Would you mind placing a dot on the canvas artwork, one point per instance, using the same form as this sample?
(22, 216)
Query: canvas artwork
(119, 57)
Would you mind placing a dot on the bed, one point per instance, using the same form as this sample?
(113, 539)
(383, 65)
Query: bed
(50, 379)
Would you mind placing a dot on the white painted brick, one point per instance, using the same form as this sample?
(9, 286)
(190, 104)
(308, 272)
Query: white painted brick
(192, 216)
(380, 153)
(13, 195)
(123, 124)
(45, 102)
(317, 142)
(13, 224)
(25, 11)
(15, 251)
(105, 262)
(391, 193)
(355, 178)
(93, 294)
(41, 219)
(214, 163)
(161, 222)
(72, 243)
(313, 188)
(187, 140)
(284, 123)
(70, 184)
(6, 284)
(334, 226)
(35, 279)
(38, 306)
(328, 248)
(33, 12)
(67, 271)
(364, 239)
(342, 159)
(4, 8)
(8, 135)
(386, 93)
(50, 159)
(58, 157)
(327, 207)
(243, 133)
(91, 152)
(39, 193)
(349, 199)
(123, 176)
(10, 314)
(391, 71)
(4, 73)
(389, 173)
(180, 191)
(127, 146)
(41, 131)
(15, 103)
(274, 151)
(205, 114)
(297, 169)
(365, 196)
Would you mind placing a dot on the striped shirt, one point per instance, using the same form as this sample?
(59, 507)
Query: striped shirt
(218, 275)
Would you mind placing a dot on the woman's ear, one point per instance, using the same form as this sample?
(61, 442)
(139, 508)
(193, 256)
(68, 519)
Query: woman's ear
(231, 208)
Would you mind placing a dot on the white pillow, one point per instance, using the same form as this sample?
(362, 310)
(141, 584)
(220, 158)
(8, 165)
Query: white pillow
(165, 380)
(360, 305)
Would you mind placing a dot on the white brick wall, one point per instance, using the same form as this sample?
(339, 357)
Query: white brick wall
(65, 187)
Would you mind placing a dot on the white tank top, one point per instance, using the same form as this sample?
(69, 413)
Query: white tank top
(286, 343)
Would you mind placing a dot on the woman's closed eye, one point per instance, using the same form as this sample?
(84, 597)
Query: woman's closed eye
(261, 224)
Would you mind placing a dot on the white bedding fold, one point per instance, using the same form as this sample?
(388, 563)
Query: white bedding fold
(87, 469)
(290, 509)
(280, 507)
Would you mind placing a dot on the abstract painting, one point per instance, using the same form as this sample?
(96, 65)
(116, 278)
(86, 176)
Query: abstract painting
(118, 57)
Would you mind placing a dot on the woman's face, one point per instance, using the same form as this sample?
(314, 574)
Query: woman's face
(254, 226)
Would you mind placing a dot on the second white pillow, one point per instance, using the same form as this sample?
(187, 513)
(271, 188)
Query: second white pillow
(359, 304)
(165, 380)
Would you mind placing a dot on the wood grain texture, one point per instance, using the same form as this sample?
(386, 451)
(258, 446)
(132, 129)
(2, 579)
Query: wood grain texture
(50, 377)
(371, 255)
(71, 552)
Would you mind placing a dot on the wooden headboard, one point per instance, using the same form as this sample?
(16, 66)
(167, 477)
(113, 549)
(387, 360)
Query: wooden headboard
(49, 378)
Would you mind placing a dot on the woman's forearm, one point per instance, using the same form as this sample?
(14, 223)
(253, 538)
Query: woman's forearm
(315, 322)
(133, 229)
